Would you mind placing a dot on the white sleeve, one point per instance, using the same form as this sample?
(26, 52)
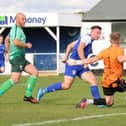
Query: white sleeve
(86, 39)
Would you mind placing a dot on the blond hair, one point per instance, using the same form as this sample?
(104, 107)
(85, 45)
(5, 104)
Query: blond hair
(115, 37)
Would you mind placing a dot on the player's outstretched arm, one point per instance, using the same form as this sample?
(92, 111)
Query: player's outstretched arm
(72, 62)
(121, 58)
(90, 60)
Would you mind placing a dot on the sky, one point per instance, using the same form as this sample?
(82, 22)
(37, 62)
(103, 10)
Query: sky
(46, 5)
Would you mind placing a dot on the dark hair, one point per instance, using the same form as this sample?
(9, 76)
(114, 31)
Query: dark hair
(96, 27)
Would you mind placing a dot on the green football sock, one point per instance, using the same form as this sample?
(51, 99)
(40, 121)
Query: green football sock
(5, 86)
(30, 85)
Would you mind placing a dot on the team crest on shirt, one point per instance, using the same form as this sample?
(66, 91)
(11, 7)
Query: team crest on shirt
(73, 72)
(21, 67)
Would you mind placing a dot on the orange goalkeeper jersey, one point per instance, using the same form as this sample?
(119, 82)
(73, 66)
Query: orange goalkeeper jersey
(113, 69)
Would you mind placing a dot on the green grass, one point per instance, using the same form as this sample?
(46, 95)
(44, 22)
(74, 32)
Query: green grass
(57, 106)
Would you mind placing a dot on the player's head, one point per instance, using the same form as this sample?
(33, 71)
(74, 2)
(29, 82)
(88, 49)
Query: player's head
(1, 39)
(95, 32)
(20, 19)
(115, 38)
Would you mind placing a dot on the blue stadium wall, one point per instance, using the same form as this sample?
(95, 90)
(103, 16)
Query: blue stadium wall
(43, 43)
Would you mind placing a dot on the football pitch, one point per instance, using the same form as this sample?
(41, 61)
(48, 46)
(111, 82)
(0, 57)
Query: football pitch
(58, 109)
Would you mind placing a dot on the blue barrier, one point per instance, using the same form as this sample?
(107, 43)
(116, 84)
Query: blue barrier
(45, 62)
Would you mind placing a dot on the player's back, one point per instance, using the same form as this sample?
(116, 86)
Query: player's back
(113, 69)
(110, 59)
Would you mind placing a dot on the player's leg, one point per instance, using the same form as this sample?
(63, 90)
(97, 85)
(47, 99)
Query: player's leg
(66, 84)
(69, 76)
(109, 100)
(91, 79)
(101, 102)
(109, 95)
(30, 69)
(15, 76)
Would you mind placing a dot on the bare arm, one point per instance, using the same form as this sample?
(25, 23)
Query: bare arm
(91, 60)
(81, 53)
(81, 50)
(121, 58)
(68, 50)
(22, 45)
(84, 61)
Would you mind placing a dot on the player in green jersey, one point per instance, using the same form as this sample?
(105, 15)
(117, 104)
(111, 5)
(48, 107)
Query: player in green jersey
(17, 45)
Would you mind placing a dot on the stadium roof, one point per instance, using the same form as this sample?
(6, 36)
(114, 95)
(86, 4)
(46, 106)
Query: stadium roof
(107, 10)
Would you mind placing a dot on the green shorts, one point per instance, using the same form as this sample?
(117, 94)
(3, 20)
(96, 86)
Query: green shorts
(18, 64)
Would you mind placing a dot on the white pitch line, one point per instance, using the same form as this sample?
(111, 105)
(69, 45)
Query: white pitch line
(67, 120)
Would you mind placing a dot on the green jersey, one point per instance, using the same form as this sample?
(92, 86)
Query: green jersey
(16, 32)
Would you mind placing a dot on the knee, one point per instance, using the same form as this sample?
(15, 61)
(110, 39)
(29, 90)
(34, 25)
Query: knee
(93, 82)
(15, 80)
(66, 86)
(109, 103)
(35, 73)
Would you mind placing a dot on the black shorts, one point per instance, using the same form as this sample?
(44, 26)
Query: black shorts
(111, 91)
(18, 64)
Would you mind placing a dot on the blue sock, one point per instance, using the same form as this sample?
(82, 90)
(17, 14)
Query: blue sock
(95, 92)
(53, 87)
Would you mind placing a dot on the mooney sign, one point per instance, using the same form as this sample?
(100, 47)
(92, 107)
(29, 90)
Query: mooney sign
(45, 19)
